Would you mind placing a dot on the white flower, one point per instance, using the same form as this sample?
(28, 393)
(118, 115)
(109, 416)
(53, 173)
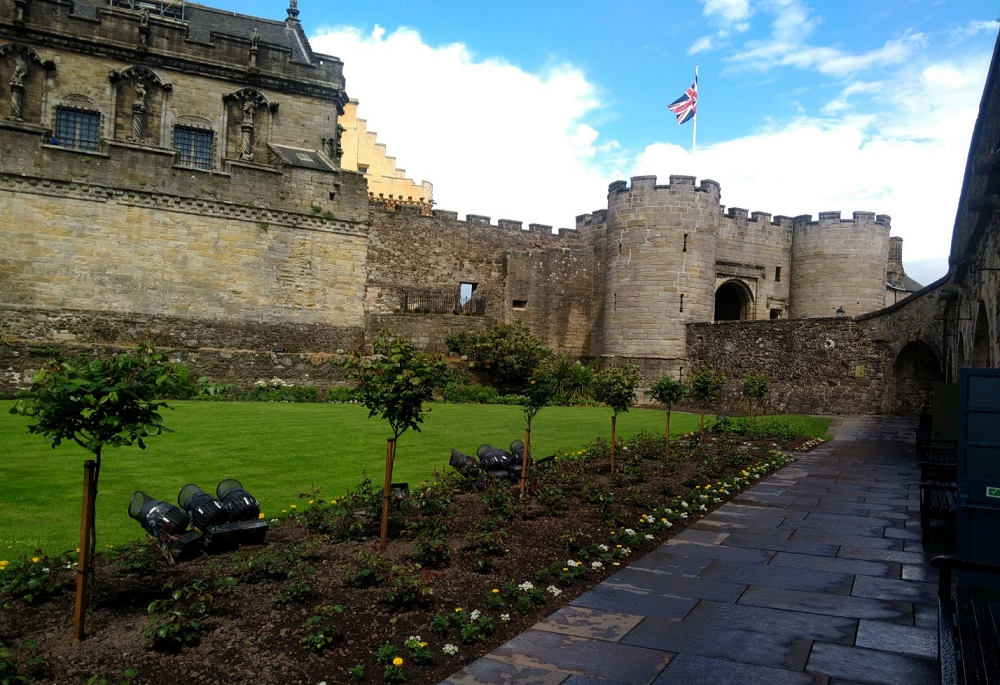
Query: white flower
(525, 586)
(474, 615)
(553, 590)
(414, 638)
(684, 516)
(669, 524)
(504, 617)
(669, 511)
(649, 519)
(597, 566)
(648, 536)
(572, 564)
(716, 499)
(702, 508)
(626, 551)
(603, 548)
(450, 649)
(684, 504)
(260, 383)
(629, 532)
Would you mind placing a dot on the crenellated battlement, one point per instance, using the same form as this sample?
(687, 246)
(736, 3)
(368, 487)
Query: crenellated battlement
(835, 219)
(678, 184)
(502, 226)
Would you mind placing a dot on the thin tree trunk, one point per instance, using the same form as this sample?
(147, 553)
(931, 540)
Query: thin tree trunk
(390, 455)
(85, 562)
(666, 454)
(701, 433)
(613, 444)
(524, 459)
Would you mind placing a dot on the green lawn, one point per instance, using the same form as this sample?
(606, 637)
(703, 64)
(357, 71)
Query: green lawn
(276, 450)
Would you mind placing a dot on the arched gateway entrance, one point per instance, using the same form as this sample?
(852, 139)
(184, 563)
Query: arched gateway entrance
(733, 302)
(914, 372)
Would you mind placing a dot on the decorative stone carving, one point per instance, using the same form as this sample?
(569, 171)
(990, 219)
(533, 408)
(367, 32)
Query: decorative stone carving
(144, 28)
(17, 86)
(138, 111)
(254, 38)
(246, 146)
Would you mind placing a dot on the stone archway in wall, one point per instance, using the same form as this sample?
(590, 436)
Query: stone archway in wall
(914, 373)
(981, 340)
(733, 302)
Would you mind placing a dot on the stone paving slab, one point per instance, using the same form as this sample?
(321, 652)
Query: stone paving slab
(815, 575)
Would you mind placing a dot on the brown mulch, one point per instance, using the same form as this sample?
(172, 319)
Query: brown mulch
(248, 637)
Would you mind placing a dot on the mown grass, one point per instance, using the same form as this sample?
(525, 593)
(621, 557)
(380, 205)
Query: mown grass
(278, 451)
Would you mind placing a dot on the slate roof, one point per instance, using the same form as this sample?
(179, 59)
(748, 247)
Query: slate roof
(204, 21)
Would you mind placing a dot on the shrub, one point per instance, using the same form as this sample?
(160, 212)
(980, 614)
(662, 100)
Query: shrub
(34, 579)
(340, 393)
(469, 394)
(176, 620)
(321, 628)
(369, 572)
(510, 353)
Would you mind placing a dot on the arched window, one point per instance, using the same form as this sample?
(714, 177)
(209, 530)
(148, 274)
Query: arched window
(733, 302)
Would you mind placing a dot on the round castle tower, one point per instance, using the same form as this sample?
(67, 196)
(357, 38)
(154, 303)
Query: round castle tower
(838, 263)
(660, 264)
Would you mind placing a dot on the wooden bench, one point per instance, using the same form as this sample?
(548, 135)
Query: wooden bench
(938, 486)
(970, 626)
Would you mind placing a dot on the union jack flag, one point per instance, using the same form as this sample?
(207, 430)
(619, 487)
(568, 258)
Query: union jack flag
(686, 106)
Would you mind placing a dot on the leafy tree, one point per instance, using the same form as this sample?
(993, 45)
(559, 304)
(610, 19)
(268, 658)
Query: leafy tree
(104, 403)
(511, 354)
(755, 389)
(394, 383)
(668, 392)
(537, 395)
(705, 387)
(615, 387)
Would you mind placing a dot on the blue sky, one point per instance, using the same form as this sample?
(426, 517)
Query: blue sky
(526, 110)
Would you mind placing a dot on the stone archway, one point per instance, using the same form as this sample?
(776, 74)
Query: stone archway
(914, 373)
(733, 302)
(981, 340)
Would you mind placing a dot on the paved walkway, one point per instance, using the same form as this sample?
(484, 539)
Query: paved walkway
(814, 575)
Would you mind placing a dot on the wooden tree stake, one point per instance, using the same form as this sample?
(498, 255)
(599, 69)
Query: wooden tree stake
(667, 453)
(83, 568)
(524, 460)
(390, 454)
(613, 444)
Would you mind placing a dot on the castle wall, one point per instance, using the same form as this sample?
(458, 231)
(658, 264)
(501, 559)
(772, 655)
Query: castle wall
(757, 252)
(87, 231)
(661, 246)
(839, 263)
(413, 258)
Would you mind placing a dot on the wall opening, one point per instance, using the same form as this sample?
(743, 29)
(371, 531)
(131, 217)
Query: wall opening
(682, 302)
(775, 313)
(981, 339)
(914, 372)
(777, 274)
(465, 291)
(519, 304)
(732, 302)
(685, 248)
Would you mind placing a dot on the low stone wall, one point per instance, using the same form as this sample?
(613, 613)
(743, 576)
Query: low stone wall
(427, 331)
(124, 328)
(816, 366)
(20, 360)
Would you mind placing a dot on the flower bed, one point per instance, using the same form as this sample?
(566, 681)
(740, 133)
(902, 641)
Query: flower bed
(464, 572)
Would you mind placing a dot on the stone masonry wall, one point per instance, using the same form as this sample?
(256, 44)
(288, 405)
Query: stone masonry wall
(750, 250)
(411, 252)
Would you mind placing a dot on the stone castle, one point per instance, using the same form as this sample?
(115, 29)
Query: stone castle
(196, 177)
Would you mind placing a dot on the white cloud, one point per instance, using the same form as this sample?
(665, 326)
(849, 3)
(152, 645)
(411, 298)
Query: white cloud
(728, 11)
(493, 138)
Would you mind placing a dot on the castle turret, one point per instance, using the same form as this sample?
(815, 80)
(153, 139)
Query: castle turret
(838, 264)
(660, 261)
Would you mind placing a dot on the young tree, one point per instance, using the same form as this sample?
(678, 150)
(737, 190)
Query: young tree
(615, 387)
(394, 383)
(705, 387)
(668, 392)
(538, 394)
(755, 388)
(105, 403)
(511, 354)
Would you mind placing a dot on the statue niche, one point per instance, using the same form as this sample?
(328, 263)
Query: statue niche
(249, 118)
(22, 79)
(140, 96)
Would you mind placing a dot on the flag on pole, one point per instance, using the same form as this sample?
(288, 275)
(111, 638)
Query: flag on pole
(686, 106)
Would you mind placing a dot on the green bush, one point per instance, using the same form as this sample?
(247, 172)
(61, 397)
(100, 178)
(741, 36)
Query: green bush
(176, 620)
(340, 393)
(776, 429)
(456, 393)
(35, 579)
(321, 628)
(286, 393)
(511, 354)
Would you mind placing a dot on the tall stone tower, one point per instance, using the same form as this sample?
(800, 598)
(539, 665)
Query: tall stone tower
(660, 266)
(838, 263)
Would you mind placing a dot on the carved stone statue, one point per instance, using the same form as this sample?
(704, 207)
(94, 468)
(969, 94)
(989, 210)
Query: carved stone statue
(140, 93)
(20, 70)
(138, 111)
(254, 37)
(17, 86)
(246, 148)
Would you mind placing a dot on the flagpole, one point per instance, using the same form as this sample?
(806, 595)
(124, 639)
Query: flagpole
(694, 129)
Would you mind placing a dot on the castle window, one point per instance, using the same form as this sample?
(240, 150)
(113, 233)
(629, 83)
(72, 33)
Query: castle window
(682, 302)
(465, 291)
(363, 168)
(519, 304)
(78, 129)
(775, 313)
(685, 249)
(194, 147)
(777, 274)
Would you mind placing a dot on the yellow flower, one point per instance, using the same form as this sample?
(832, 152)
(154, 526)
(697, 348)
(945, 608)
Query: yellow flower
(697, 487)
(35, 560)
(565, 569)
(284, 511)
(495, 591)
(398, 661)
(457, 609)
(291, 506)
(423, 644)
(310, 501)
(612, 532)
(333, 501)
(618, 546)
(260, 515)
